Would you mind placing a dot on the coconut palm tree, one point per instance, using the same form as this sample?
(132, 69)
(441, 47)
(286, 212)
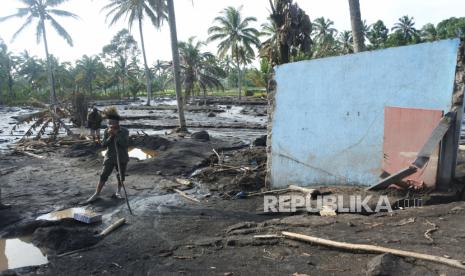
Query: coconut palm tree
(43, 11)
(234, 33)
(406, 27)
(7, 64)
(32, 70)
(161, 74)
(269, 47)
(378, 35)
(346, 42)
(88, 68)
(357, 26)
(137, 10)
(323, 29)
(324, 36)
(199, 69)
(429, 32)
(176, 64)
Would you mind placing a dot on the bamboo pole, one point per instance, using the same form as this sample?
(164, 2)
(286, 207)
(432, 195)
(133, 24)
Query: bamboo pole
(374, 248)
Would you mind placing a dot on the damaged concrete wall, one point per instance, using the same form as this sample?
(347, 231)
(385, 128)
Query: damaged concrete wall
(327, 124)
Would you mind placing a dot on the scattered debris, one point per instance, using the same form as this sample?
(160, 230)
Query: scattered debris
(327, 211)
(430, 230)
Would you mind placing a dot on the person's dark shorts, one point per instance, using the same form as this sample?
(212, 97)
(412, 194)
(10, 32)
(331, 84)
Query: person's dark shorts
(108, 167)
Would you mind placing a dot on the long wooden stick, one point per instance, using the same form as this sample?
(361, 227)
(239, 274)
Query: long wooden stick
(119, 177)
(183, 194)
(374, 248)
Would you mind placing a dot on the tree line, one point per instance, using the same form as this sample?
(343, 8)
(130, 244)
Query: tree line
(122, 68)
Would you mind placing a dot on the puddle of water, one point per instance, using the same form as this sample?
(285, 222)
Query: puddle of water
(67, 213)
(138, 153)
(15, 253)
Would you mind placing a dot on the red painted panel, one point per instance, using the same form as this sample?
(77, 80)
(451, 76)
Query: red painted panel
(406, 130)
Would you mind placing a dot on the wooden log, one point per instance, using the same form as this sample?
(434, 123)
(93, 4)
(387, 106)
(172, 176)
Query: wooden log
(183, 194)
(302, 189)
(112, 227)
(31, 154)
(374, 249)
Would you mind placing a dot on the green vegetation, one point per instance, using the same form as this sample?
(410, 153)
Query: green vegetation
(235, 36)
(122, 69)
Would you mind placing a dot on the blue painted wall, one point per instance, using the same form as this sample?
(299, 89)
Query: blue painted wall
(329, 115)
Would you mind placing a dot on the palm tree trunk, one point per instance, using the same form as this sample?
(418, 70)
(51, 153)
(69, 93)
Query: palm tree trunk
(147, 71)
(357, 27)
(239, 76)
(176, 65)
(53, 96)
(238, 69)
(1, 93)
(10, 86)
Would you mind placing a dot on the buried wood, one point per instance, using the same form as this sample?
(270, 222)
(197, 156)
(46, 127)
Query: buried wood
(183, 194)
(103, 234)
(374, 248)
(30, 154)
(112, 227)
(306, 191)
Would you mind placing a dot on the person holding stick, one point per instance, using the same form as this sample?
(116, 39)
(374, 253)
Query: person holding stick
(115, 140)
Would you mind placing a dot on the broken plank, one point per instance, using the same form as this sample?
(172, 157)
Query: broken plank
(433, 141)
(383, 184)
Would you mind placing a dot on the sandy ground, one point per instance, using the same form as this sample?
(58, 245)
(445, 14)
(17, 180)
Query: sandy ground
(170, 235)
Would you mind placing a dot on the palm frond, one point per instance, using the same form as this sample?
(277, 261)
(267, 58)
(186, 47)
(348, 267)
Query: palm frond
(61, 31)
(27, 23)
(63, 13)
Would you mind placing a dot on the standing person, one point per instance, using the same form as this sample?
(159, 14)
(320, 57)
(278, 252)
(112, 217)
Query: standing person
(113, 133)
(94, 122)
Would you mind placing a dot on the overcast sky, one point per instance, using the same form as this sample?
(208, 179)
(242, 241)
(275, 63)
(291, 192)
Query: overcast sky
(91, 32)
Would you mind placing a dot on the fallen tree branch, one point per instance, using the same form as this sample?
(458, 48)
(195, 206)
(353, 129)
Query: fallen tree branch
(219, 157)
(374, 248)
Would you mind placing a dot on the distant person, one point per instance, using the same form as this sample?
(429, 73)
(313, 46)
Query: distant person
(113, 133)
(94, 122)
